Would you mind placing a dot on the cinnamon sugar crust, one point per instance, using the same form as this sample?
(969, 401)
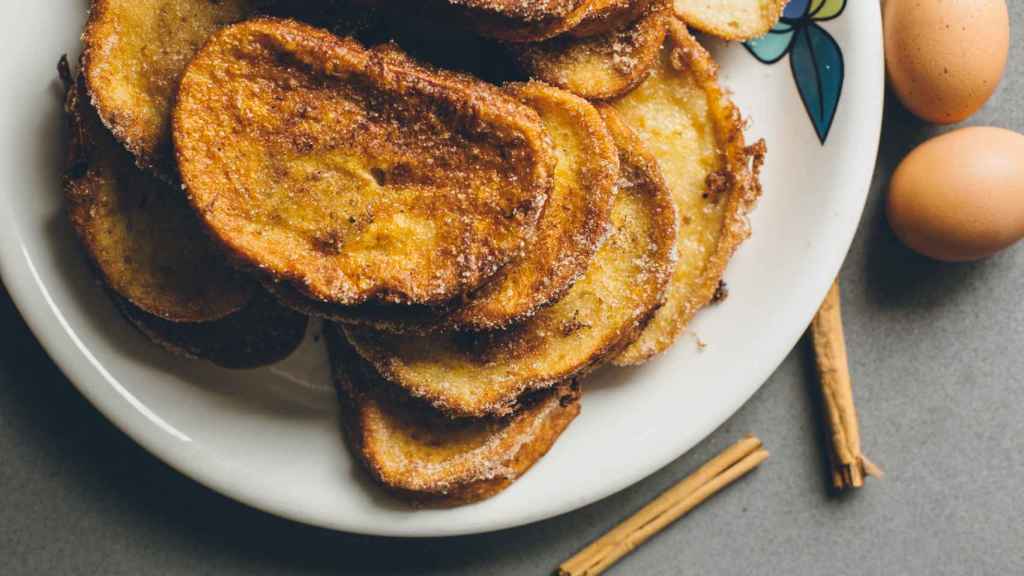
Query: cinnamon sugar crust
(262, 333)
(574, 223)
(687, 122)
(139, 233)
(599, 67)
(526, 10)
(611, 15)
(353, 174)
(135, 54)
(422, 455)
(523, 20)
(487, 373)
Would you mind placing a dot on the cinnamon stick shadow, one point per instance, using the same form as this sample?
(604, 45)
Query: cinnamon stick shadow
(820, 429)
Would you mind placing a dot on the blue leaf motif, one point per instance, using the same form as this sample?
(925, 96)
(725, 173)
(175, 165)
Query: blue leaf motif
(796, 9)
(772, 47)
(817, 64)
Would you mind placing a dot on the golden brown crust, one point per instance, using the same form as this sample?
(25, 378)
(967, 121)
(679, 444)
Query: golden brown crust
(610, 15)
(575, 220)
(574, 223)
(731, 19)
(598, 67)
(639, 168)
(525, 10)
(140, 233)
(486, 374)
(356, 175)
(262, 333)
(713, 178)
(397, 318)
(421, 455)
(511, 27)
(135, 54)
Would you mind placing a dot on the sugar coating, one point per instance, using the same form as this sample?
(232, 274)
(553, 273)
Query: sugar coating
(422, 454)
(355, 174)
(695, 133)
(486, 374)
(527, 10)
(135, 54)
(730, 19)
(599, 67)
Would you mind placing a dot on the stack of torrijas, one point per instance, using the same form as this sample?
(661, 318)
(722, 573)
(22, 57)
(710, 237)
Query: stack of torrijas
(476, 249)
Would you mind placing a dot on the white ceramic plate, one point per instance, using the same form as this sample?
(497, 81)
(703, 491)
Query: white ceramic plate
(270, 438)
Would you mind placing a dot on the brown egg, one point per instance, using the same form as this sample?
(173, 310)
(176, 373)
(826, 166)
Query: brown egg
(945, 57)
(960, 196)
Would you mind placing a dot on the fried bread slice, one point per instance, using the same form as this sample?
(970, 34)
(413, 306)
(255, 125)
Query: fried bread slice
(519, 21)
(420, 454)
(599, 67)
(575, 221)
(262, 333)
(353, 175)
(688, 123)
(135, 54)
(731, 19)
(140, 234)
(487, 374)
(609, 15)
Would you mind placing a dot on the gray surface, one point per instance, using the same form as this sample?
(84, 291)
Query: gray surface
(936, 355)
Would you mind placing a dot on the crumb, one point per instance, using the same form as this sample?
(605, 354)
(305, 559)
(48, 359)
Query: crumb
(721, 292)
(701, 344)
(328, 243)
(718, 184)
(574, 324)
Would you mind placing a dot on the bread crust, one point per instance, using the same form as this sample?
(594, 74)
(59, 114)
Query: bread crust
(139, 233)
(135, 52)
(262, 333)
(712, 175)
(611, 15)
(423, 456)
(355, 174)
(735, 20)
(599, 67)
(575, 220)
(529, 11)
(574, 223)
(528, 24)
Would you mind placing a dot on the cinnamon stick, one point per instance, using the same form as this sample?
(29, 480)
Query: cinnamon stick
(849, 465)
(671, 505)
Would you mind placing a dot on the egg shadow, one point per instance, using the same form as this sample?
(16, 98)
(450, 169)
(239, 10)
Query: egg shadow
(897, 277)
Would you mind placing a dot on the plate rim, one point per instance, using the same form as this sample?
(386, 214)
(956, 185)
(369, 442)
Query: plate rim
(48, 325)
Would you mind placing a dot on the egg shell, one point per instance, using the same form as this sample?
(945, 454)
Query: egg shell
(945, 57)
(960, 196)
